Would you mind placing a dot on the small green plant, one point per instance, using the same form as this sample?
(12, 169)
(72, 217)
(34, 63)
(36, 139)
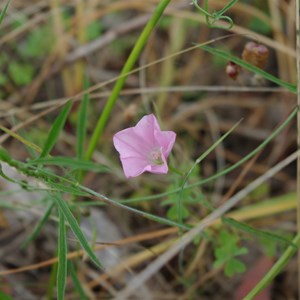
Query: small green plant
(226, 253)
(215, 16)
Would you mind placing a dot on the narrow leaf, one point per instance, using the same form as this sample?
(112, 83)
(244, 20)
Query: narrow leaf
(76, 281)
(60, 187)
(38, 226)
(250, 67)
(3, 11)
(62, 257)
(256, 232)
(74, 163)
(56, 129)
(21, 139)
(63, 206)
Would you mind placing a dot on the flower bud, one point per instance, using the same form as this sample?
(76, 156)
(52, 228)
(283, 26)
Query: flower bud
(232, 70)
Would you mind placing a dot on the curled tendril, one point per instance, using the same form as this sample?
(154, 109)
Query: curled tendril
(212, 18)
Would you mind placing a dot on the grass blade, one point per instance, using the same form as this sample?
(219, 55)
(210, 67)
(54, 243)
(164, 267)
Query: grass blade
(21, 139)
(250, 67)
(64, 208)
(3, 11)
(56, 129)
(256, 232)
(39, 226)
(62, 257)
(76, 281)
(197, 162)
(73, 163)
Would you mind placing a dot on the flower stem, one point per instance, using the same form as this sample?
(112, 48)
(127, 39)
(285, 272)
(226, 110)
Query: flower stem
(275, 270)
(136, 51)
(174, 170)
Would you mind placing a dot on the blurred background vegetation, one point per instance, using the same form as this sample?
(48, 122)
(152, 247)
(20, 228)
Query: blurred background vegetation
(51, 48)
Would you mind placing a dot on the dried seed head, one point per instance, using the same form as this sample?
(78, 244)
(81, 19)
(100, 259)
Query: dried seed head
(256, 54)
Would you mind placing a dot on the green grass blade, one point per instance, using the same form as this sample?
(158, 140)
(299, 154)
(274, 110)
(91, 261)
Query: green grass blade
(256, 232)
(133, 57)
(70, 162)
(63, 188)
(208, 151)
(56, 129)
(82, 124)
(39, 226)
(52, 282)
(197, 161)
(134, 210)
(3, 11)
(64, 208)
(76, 281)
(275, 270)
(62, 257)
(250, 67)
(21, 139)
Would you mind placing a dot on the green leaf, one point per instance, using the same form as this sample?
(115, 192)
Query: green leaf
(4, 155)
(259, 26)
(250, 67)
(73, 163)
(62, 187)
(234, 266)
(39, 43)
(56, 129)
(94, 30)
(39, 226)
(3, 11)
(228, 248)
(62, 257)
(3, 79)
(64, 208)
(256, 232)
(172, 213)
(76, 281)
(4, 296)
(52, 282)
(21, 73)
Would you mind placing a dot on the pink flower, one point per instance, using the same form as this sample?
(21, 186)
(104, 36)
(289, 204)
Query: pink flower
(144, 147)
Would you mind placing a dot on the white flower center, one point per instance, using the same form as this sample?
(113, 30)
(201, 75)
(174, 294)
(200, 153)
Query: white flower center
(155, 157)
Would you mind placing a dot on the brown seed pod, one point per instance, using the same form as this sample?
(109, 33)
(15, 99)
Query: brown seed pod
(256, 54)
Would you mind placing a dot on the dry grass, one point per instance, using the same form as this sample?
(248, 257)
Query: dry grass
(190, 93)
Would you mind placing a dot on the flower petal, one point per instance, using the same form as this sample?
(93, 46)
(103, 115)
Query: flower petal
(129, 144)
(134, 166)
(136, 146)
(166, 140)
(145, 128)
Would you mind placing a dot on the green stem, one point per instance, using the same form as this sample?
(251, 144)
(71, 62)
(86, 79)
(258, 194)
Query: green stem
(120, 82)
(275, 270)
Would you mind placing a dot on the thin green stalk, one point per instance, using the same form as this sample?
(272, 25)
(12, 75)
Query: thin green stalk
(275, 270)
(134, 55)
(291, 116)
